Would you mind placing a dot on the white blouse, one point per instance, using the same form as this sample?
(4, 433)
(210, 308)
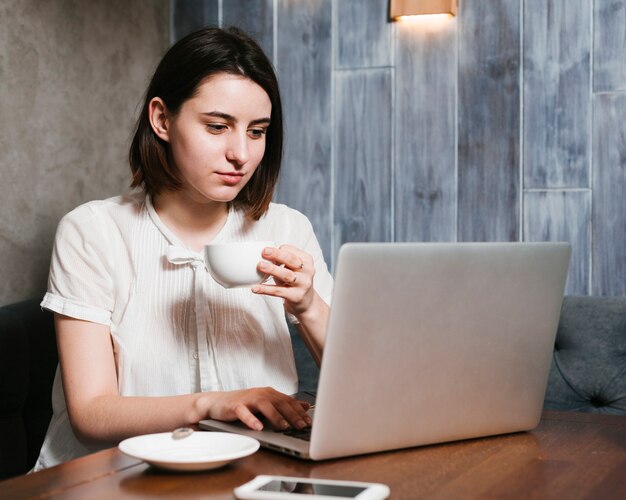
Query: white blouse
(174, 329)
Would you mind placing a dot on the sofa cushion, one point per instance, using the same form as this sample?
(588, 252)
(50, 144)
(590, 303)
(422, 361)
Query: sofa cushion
(588, 370)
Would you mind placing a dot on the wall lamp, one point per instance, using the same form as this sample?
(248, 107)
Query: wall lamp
(402, 8)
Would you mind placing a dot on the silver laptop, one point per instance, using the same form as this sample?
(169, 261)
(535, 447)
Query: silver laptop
(431, 342)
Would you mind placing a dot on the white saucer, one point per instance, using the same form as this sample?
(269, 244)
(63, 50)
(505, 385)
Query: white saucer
(199, 451)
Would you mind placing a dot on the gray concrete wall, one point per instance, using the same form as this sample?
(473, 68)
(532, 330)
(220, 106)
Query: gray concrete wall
(72, 74)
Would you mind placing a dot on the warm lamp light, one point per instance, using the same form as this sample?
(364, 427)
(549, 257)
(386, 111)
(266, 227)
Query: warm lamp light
(400, 8)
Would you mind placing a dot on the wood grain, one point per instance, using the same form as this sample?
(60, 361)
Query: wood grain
(557, 93)
(362, 156)
(304, 66)
(489, 121)
(364, 34)
(570, 455)
(609, 58)
(609, 195)
(256, 18)
(84, 470)
(562, 216)
(424, 145)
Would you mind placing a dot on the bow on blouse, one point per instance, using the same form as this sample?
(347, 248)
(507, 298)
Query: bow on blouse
(180, 255)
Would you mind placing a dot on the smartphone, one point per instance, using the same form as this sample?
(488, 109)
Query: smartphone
(292, 488)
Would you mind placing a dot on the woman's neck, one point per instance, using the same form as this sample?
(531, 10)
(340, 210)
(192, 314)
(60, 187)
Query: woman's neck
(195, 223)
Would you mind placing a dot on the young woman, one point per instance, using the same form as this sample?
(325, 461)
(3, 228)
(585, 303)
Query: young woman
(148, 341)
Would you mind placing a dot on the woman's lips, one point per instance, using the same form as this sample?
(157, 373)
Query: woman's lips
(231, 178)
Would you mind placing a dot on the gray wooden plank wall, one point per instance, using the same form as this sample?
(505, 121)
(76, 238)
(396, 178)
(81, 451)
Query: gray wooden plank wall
(363, 94)
(557, 99)
(609, 148)
(504, 123)
(256, 18)
(425, 185)
(557, 118)
(304, 61)
(609, 45)
(362, 156)
(609, 194)
(488, 121)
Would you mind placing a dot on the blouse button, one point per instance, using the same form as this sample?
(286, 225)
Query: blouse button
(195, 354)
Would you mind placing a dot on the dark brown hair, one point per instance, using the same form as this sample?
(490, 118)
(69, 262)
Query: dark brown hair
(186, 65)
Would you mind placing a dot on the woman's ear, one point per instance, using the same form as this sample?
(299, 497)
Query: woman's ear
(159, 117)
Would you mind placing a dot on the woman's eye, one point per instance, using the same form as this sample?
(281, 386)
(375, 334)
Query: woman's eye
(257, 133)
(216, 127)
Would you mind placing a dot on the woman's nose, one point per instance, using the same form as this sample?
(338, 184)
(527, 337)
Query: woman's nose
(237, 150)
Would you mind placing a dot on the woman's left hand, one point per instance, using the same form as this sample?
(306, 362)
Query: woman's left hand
(293, 271)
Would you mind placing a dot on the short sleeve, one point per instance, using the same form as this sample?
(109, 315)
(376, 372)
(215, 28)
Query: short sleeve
(80, 284)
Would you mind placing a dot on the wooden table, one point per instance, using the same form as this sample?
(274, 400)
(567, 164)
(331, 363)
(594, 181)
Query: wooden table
(570, 455)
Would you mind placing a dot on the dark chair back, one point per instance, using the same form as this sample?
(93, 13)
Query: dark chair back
(28, 361)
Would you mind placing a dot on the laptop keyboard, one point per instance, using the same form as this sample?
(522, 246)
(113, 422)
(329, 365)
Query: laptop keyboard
(304, 434)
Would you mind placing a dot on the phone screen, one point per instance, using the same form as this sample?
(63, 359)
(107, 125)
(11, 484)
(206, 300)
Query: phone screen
(303, 487)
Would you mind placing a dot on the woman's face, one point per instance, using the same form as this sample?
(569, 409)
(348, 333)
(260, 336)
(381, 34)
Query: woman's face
(217, 139)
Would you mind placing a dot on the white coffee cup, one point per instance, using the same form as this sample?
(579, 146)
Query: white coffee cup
(234, 265)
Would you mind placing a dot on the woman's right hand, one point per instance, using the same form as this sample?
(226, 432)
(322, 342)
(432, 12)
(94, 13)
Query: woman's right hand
(280, 410)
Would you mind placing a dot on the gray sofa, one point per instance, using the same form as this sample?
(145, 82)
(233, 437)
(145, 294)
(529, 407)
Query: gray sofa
(588, 370)
(589, 363)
